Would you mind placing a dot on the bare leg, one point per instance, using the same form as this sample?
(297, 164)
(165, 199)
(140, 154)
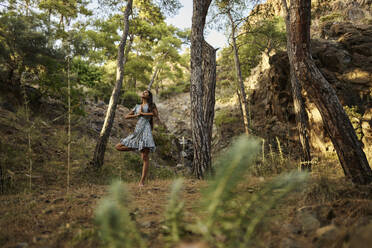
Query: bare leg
(145, 167)
(123, 148)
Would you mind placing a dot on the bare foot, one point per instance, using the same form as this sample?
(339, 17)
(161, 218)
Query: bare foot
(141, 184)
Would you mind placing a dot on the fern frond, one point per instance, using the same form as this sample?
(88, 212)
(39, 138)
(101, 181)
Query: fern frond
(112, 215)
(230, 169)
(266, 199)
(174, 211)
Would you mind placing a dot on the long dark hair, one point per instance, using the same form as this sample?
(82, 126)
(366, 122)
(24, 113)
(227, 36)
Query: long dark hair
(152, 106)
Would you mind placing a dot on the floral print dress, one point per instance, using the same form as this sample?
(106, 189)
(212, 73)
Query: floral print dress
(142, 136)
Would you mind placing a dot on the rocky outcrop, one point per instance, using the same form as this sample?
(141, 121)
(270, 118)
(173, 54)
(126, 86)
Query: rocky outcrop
(349, 10)
(346, 62)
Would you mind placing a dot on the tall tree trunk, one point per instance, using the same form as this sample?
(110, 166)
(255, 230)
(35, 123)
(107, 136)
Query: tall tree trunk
(209, 87)
(239, 76)
(153, 77)
(99, 152)
(202, 162)
(335, 120)
(302, 119)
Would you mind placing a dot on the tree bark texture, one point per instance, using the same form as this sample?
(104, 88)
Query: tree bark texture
(1, 179)
(209, 88)
(202, 160)
(302, 119)
(99, 152)
(239, 77)
(335, 120)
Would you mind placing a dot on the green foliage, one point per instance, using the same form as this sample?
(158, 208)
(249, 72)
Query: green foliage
(112, 216)
(334, 17)
(224, 117)
(224, 214)
(234, 217)
(174, 212)
(273, 160)
(164, 143)
(356, 120)
(130, 99)
(264, 36)
(172, 90)
(24, 45)
(230, 170)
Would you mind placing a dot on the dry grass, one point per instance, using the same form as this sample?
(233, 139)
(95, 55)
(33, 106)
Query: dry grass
(47, 216)
(57, 219)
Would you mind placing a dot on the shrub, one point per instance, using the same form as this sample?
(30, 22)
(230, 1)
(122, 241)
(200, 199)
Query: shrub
(130, 98)
(112, 215)
(175, 89)
(356, 120)
(163, 141)
(224, 117)
(174, 212)
(234, 217)
(334, 17)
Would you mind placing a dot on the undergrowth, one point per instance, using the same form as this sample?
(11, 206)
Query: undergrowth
(222, 214)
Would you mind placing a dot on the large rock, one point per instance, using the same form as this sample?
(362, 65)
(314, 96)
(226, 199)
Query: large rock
(328, 236)
(345, 61)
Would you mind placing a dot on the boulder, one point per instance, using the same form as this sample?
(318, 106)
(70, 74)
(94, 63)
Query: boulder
(345, 62)
(327, 236)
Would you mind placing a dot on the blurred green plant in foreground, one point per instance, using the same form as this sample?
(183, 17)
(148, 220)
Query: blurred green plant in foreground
(226, 213)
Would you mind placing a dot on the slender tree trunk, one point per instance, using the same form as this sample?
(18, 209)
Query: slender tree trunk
(69, 124)
(153, 77)
(240, 104)
(302, 119)
(239, 76)
(157, 69)
(201, 163)
(126, 57)
(335, 120)
(99, 152)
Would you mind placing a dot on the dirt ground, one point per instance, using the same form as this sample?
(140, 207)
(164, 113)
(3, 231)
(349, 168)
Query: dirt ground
(323, 216)
(58, 219)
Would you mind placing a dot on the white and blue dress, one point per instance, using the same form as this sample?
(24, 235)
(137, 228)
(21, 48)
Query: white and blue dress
(142, 136)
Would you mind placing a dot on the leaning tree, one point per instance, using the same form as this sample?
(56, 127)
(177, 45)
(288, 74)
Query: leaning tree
(99, 152)
(342, 134)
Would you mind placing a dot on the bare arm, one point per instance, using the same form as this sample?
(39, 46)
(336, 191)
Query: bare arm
(153, 113)
(131, 115)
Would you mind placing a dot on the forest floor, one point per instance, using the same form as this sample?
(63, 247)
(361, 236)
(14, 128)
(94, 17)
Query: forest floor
(55, 218)
(327, 213)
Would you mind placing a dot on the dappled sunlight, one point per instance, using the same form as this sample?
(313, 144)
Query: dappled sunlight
(358, 76)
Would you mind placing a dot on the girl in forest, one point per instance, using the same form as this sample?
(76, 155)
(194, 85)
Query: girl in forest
(141, 139)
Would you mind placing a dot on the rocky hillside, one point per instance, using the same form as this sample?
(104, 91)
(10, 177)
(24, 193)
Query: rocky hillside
(342, 50)
(356, 11)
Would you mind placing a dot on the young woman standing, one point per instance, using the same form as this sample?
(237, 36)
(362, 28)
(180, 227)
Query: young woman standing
(141, 139)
